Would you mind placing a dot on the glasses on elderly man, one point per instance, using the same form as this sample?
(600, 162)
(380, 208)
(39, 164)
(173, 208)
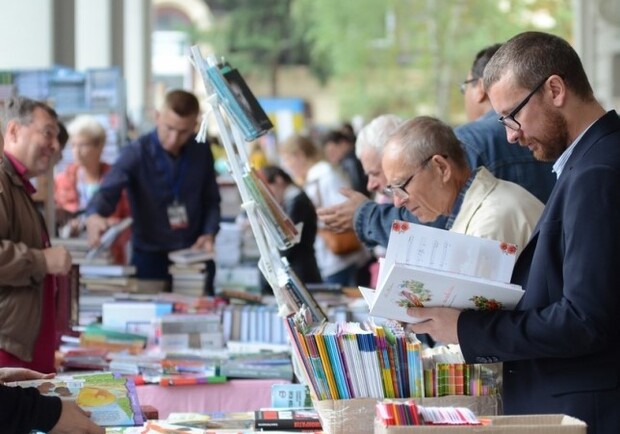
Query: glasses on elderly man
(400, 191)
(509, 120)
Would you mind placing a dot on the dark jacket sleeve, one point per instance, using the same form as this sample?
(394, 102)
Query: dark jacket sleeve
(106, 199)
(25, 409)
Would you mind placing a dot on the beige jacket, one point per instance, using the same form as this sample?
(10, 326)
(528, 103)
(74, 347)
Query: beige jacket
(22, 266)
(499, 210)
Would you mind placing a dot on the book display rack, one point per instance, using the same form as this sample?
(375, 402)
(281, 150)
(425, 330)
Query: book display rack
(240, 118)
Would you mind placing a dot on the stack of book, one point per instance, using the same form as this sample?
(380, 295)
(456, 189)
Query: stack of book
(78, 249)
(258, 365)
(108, 278)
(188, 279)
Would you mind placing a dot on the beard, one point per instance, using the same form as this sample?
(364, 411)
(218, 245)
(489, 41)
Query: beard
(554, 140)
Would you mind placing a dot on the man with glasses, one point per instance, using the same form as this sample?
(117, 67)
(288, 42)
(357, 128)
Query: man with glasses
(561, 346)
(428, 175)
(484, 143)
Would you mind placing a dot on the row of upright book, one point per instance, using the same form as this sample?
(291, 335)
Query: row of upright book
(348, 360)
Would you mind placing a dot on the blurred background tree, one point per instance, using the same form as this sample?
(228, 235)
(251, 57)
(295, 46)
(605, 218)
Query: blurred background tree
(400, 56)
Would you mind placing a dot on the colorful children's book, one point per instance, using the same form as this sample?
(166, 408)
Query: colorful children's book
(110, 399)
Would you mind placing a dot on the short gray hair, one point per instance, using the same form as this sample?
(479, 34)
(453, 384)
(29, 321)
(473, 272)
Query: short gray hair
(376, 133)
(20, 109)
(422, 137)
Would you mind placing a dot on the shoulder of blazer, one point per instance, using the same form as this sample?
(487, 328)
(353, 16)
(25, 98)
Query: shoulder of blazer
(603, 127)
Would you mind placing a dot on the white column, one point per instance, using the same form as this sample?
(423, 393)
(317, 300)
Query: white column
(137, 58)
(27, 30)
(596, 41)
(93, 34)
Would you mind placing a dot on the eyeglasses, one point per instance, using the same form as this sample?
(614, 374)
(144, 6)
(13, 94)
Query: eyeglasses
(463, 85)
(400, 191)
(509, 120)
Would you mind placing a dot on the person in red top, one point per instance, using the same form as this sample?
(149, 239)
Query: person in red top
(74, 186)
(28, 264)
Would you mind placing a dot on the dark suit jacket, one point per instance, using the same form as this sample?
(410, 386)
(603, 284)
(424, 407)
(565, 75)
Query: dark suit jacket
(561, 346)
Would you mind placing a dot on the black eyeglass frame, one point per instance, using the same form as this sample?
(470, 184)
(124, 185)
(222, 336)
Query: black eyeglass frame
(400, 190)
(509, 120)
(464, 84)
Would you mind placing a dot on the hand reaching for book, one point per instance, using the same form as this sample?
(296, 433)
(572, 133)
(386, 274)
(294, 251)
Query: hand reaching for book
(74, 420)
(340, 217)
(21, 374)
(95, 226)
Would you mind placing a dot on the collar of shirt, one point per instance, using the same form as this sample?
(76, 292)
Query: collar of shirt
(459, 200)
(558, 166)
(20, 169)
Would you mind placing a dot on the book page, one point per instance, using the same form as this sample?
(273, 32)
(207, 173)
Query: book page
(412, 286)
(440, 249)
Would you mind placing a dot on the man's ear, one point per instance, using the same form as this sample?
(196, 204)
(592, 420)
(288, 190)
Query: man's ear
(558, 90)
(478, 93)
(441, 164)
(10, 135)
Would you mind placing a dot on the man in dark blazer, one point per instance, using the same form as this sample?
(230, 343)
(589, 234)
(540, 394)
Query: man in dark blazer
(561, 346)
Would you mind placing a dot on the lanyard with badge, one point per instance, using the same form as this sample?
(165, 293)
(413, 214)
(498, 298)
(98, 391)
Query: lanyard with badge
(177, 212)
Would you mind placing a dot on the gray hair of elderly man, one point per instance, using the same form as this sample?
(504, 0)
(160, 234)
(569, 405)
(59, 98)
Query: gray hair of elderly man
(420, 138)
(20, 108)
(375, 134)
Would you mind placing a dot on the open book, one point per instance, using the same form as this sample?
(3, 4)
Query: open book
(110, 399)
(426, 267)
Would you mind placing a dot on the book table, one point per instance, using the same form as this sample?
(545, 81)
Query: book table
(234, 395)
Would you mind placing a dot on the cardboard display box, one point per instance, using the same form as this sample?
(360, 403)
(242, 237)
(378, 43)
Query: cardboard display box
(531, 424)
(345, 416)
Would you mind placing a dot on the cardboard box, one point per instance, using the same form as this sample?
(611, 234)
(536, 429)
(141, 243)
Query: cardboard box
(531, 424)
(345, 416)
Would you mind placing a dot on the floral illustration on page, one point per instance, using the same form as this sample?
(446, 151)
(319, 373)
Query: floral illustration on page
(483, 303)
(413, 294)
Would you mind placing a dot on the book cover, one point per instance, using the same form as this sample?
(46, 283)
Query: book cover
(409, 286)
(290, 396)
(274, 419)
(111, 400)
(190, 256)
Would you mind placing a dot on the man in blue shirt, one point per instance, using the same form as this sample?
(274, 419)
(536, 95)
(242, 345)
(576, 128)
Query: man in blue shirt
(171, 186)
(485, 144)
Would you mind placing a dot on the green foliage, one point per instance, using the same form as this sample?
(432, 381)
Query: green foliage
(400, 56)
(414, 66)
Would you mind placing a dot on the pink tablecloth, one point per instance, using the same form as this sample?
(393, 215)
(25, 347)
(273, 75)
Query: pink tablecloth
(234, 395)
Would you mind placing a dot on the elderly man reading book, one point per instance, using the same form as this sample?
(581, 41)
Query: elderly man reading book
(427, 172)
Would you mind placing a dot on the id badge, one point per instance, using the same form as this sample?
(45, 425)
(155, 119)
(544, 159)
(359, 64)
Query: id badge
(177, 216)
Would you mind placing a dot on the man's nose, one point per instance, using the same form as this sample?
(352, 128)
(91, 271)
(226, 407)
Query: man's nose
(512, 135)
(399, 202)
